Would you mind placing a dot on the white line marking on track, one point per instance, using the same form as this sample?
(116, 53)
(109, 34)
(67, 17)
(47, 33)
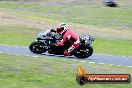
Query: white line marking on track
(123, 56)
(129, 66)
(118, 65)
(91, 62)
(82, 61)
(15, 54)
(35, 56)
(101, 63)
(74, 60)
(111, 64)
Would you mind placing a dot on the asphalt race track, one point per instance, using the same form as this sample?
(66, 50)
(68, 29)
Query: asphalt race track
(95, 58)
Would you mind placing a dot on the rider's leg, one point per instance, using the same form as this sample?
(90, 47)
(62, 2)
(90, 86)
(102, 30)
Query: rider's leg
(71, 48)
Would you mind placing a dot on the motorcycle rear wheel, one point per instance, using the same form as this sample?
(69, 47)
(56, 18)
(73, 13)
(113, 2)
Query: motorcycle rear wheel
(37, 48)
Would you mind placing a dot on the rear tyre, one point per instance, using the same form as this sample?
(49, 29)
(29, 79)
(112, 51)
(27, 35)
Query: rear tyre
(37, 48)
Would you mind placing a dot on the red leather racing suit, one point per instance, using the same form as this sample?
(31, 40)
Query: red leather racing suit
(73, 38)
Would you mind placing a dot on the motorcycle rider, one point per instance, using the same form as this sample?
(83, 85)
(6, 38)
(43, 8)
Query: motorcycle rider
(67, 35)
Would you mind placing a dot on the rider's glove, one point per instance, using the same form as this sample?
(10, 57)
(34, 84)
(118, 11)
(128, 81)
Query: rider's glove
(59, 43)
(54, 44)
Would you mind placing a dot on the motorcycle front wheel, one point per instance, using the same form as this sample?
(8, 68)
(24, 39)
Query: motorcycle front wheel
(85, 52)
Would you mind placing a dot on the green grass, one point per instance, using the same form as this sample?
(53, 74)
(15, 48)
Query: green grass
(103, 23)
(17, 34)
(50, 72)
(106, 17)
(114, 47)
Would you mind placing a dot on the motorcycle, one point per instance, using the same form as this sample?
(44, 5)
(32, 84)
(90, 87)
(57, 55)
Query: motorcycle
(46, 41)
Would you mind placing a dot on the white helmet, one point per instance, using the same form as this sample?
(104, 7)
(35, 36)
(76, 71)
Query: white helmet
(61, 28)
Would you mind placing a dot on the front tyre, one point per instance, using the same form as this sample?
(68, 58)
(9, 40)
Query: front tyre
(89, 50)
(37, 48)
(85, 52)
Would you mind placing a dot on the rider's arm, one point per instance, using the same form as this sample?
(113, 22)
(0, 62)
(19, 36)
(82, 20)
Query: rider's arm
(52, 30)
(62, 41)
